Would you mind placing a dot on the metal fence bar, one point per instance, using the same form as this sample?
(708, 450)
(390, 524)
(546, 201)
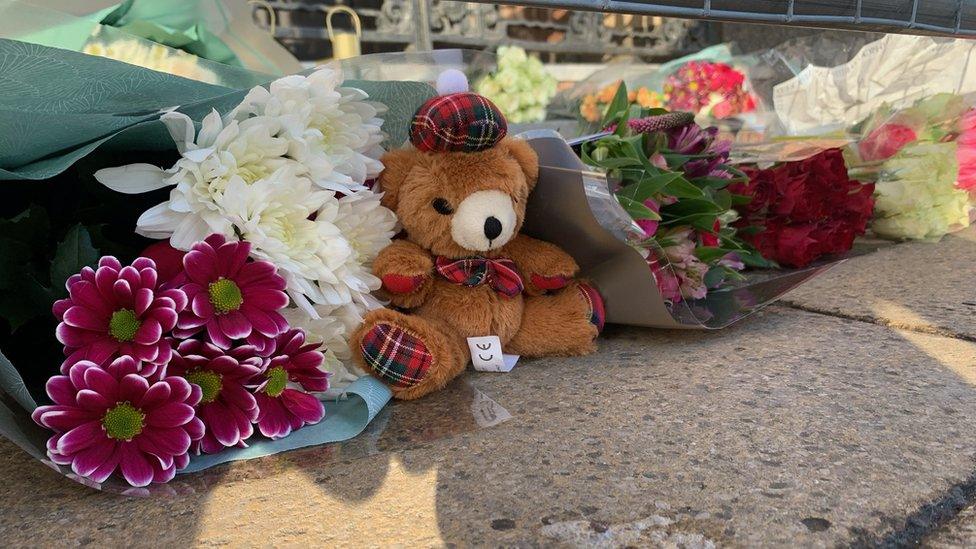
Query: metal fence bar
(855, 22)
(959, 6)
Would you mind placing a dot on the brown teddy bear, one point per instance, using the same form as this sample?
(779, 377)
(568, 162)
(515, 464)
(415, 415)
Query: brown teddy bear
(462, 269)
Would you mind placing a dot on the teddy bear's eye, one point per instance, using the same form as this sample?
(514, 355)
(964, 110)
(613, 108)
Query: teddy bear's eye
(442, 206)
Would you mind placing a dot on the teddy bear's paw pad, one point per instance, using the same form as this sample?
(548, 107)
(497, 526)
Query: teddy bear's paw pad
(594, 301)
(396, 356)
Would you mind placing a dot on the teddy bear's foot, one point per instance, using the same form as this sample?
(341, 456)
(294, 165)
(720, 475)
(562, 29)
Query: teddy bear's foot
(564, 323)
(415, 356)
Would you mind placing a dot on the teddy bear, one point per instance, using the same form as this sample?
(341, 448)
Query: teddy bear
(461, 268)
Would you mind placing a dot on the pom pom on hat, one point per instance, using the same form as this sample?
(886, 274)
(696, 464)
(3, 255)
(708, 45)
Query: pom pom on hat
(451, 81)
(458, 121)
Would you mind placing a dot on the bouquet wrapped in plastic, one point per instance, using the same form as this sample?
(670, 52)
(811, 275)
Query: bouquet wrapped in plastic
(654, 213)
(520, 87)
(901, 107)
(711, 84)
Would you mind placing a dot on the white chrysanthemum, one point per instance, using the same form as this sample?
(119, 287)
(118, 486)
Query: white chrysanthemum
(367, 227)
(311, 254)
(238, 153)
(367, 224)
(333, 328)
(330, 129)
(152, 56)
(258, 175)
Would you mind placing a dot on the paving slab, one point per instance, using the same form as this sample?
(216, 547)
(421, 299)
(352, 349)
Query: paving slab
(926, 286)
(957, 534)
(793, 428)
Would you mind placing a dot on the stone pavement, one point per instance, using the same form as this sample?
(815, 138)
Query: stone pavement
(846, 415)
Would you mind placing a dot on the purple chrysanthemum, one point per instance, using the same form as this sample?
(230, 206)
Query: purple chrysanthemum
(227, 409)
(284, 409)
(231, 297)
(116, 311)
(113, 419)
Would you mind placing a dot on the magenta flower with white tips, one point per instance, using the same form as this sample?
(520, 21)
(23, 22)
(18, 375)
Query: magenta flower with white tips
(283, 408)
(113, 419)
(117, 311)
(227, 409)
(229, 296)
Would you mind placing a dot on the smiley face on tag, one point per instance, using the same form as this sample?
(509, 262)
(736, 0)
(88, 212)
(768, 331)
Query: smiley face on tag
(487, 356)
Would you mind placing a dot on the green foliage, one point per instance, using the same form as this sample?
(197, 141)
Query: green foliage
(700, 202)
(73, 253)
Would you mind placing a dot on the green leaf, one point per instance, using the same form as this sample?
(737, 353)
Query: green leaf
(708, 254)
(714, 277)
(723, 199)
(711, 182)
(14, 256)
(692, 206)
(402, 100)
(617, 108)
(740, 199)
(682, 188)
(637, 210)
(29, 226)
(648, 186)
(611, 163)
(26, 300)
(73, 253)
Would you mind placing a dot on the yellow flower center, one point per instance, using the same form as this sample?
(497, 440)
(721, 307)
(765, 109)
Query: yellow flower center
(209, 383)
(124, 325)
(277, 380)
(225, 295)
(123, 422)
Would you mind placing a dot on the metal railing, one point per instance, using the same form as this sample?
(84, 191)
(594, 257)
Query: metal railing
(391, 25)
(938, 17)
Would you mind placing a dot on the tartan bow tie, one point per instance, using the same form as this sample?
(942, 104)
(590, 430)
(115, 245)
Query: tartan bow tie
(499, 274)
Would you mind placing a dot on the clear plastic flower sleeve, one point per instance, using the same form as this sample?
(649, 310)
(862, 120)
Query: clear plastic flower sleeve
(572, 206)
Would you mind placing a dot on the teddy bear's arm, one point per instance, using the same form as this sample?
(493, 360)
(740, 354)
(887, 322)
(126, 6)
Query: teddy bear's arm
(543, 266)
(405, 270)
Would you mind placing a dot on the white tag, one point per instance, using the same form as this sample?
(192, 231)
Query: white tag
(487, 356)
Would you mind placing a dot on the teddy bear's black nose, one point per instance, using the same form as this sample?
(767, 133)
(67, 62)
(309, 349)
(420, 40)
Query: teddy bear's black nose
(493, 228)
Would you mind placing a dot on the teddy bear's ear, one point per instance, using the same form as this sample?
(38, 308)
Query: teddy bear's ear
(523, 153)
(396, 167)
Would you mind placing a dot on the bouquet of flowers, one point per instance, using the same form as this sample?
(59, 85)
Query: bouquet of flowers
(712, 89)
(673, 177)
(593, 107)
(195, 346)
(922, 159)
(521, 87)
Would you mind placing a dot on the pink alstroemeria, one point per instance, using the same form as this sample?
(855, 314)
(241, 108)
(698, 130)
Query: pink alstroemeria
(116, 311)
(231, 297)
(284, 409)
(227, 409)
(113, 419)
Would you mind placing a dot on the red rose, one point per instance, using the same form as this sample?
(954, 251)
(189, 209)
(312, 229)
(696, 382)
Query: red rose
(885, 141)
(805, 209)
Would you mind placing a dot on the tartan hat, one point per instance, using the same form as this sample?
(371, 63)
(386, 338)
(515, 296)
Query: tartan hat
(457, 122)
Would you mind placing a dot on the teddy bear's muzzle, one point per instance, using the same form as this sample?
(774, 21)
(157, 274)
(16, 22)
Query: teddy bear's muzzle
(485, 220)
